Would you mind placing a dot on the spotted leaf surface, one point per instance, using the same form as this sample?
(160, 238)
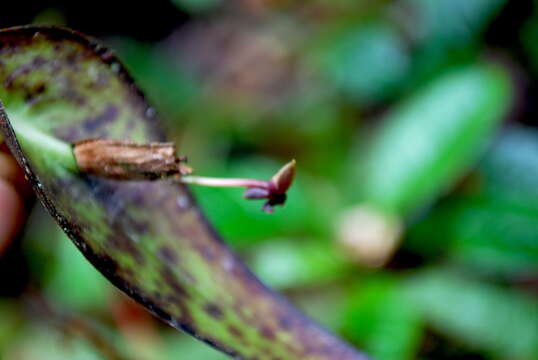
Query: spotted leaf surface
(148, 238)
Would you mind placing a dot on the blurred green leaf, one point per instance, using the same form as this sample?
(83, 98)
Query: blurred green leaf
(509, 172)
(47, 343)
(60, 268)
(451, 22)
(483, 316)
(443, 33)
(380, 320)
(168, 86)
(11, 323)
(186, 348)
(292, 263)
(529, 32)
(74, 281)
(39, 249)
(492, 226)
(196, 6)
(485, 235)
(429, 140)
(368, 61)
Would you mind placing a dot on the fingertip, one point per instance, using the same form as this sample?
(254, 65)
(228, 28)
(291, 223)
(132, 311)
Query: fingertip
(12, 173)
(9, 169)
(11, 213)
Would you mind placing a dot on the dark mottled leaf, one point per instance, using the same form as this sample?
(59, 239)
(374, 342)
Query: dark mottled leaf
(148, 238)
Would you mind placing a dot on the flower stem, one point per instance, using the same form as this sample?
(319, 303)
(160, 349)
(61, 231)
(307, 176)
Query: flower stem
(223, 182)
(125, 160)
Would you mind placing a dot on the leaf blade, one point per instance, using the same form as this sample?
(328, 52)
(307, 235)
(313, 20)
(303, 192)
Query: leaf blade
(148, 238)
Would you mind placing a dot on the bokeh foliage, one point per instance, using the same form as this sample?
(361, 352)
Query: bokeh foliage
(423, 109)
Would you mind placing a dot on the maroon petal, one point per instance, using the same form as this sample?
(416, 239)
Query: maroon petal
(256, 193)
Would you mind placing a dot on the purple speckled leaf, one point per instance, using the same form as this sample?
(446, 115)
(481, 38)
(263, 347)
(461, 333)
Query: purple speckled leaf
(148, 238)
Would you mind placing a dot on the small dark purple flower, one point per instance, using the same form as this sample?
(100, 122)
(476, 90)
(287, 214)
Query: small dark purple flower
(273, 190)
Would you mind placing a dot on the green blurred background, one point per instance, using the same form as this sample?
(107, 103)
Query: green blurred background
(412, 229)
